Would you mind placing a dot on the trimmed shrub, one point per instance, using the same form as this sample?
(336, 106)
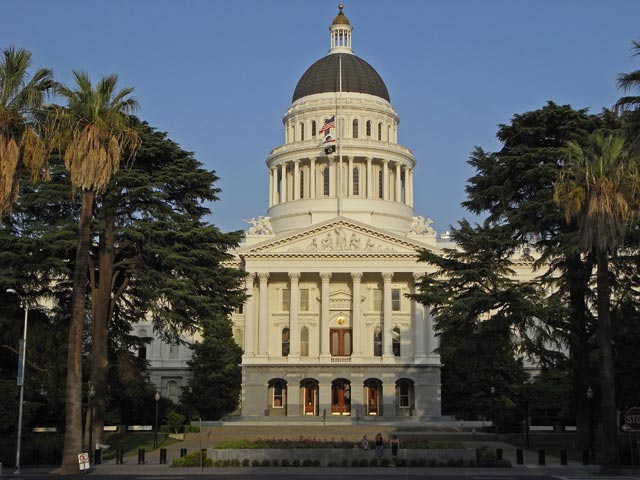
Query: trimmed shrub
(192, 460)
(295, 463)
(316, 463)
(275, 462)
(285, 462)
(265, 463)
(246, 462)
(255, 463)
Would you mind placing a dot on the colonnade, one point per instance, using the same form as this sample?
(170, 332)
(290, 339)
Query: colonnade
(286, 181)
(257, 319)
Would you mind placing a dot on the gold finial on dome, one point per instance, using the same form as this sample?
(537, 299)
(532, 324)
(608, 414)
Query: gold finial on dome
(341, 18)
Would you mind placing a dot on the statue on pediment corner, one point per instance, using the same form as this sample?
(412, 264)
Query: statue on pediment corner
(259, 226)
(420, 226)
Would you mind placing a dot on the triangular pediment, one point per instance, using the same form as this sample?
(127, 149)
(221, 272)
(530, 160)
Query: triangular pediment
(337, 237)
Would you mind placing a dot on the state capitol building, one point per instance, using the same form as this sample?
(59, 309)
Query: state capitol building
(327, 328)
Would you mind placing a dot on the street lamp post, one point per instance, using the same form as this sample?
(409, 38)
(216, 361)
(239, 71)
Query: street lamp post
(190, 391)
(21, 367)
(155, 436)
(92, 394)
(592, 455)
(493, 418)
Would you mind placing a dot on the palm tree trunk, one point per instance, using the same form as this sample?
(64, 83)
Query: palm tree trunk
(580, 273)
(101, 306)
(73, 425)
(609, 419)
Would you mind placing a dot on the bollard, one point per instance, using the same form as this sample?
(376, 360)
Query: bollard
(140, 456)
(119, 456)
(163, 455)
(183, 452)
(519, 457)
(585, 457)
(97, 456)
(541, 457)
(563, 457)
(499, 453)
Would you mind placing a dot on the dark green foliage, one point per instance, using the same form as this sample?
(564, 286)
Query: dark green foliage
(216, 368)
(477, 307)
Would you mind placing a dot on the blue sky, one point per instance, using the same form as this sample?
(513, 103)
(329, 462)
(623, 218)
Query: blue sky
(219, 75)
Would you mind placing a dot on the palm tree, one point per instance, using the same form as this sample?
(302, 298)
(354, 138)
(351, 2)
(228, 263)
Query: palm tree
(627, 81)
(95, 134)
(598, 188)
(21, 98)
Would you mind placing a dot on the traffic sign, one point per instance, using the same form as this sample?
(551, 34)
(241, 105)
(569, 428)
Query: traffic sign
(83, 461)
(632, 419)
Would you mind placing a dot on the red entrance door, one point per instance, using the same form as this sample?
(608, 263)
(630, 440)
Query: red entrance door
(309, 399)
(340, 397)
(372, 400)
(340, 342)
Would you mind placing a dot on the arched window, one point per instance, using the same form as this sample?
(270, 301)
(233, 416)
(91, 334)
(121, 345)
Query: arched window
(301, 184)
(285, 341)
(325, 181)
(313, 128)
(356, 180)
(380, 131)
(304, 342)
(380, 184)
(355, 128)
(395, 336)
(377, 343)
(302, 131)
(368, 128)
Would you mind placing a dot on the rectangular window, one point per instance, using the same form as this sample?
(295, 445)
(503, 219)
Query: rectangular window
(286, 299)
(377, 300)
(240, 309)
(304, 299)
(395, 299)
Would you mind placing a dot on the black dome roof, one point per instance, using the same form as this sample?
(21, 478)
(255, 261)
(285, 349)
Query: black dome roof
(357, 76)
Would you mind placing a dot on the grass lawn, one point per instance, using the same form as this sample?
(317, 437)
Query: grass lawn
(131, 442)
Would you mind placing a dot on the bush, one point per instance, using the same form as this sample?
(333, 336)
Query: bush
(307, 462)
(275, 462)
(192, 460)
(295, 463)
(385, 462)
(316, 463)
(255, 463)
(265, 462)
(285, 462)
(487, 458)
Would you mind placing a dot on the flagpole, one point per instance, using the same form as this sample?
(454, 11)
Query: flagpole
(338, 138)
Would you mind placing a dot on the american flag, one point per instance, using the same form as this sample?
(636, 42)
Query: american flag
(329, 123)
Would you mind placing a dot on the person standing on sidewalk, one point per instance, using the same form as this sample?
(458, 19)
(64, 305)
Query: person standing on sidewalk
(379, 441)
(394, 443)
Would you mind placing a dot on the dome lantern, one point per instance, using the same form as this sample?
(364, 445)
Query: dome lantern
(340, 33)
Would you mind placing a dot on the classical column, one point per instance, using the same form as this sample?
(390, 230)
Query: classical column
(312, 177)
(263, 315)
(398, 182)
(369, 178)
(294, 307)
(249, 320)
(350, 177)
(283, 183)
(419, 322)
(385, 179)
(408, 181)
(357, 326)
(387, 330)
(324, 314)
(296, 179)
